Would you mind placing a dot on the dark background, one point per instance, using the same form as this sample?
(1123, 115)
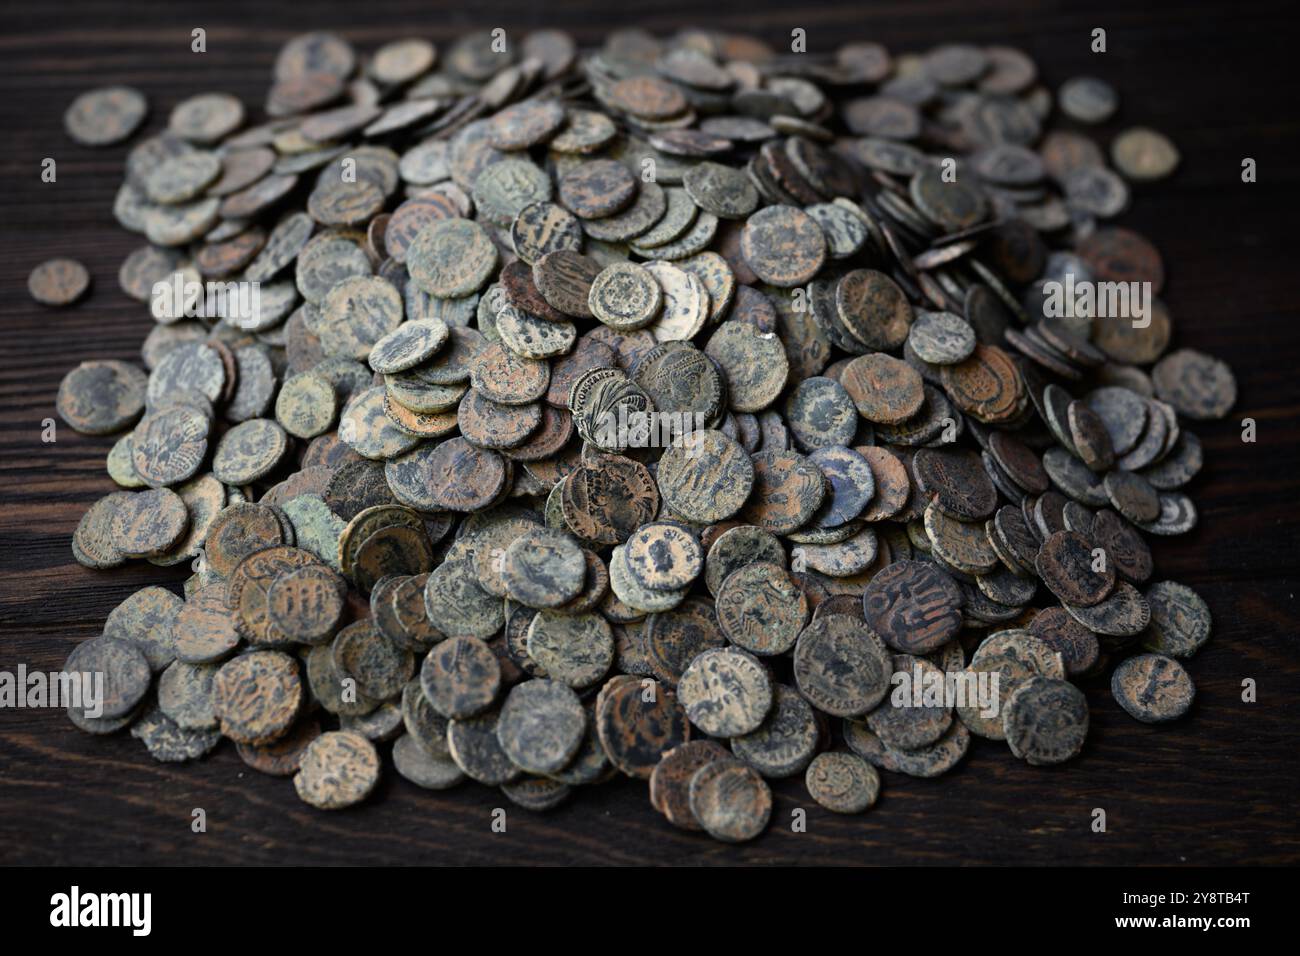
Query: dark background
(1218, 787)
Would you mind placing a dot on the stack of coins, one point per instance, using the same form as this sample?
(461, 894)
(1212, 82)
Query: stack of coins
(679, 409)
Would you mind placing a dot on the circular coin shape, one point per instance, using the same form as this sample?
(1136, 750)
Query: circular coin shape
(542, 725)
(914, 606)
(125, 673)
(1197, 385)
(788, 490)
(841, 666)
(1180, 620)
(1068, 567)
(624, 295)
(638, 722)
(761, 609)
(783, 245)
(1152, 688)
(543, 568)
(597, 188)
(730, 801)
(664, 557)
(101, 397)
(726, 692)
(1046, 721)
(105, 116)
(451, 258)
(338, 769)
(57, 282)
(671, 779)
(257, 696)
(705, 476)
(842, 782)
(306, 604)
(461, 677)
(577, 649)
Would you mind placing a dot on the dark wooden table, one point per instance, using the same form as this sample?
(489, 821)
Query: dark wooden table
(1218, 787)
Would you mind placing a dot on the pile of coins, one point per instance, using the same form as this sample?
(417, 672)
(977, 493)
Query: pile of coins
(637, 412)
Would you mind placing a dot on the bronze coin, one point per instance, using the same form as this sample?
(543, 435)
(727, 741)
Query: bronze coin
(607, 499)
(671, 779)
(543, 227)
(760, 609)
(647, 97)
(841, 666)
(1152, 688)
(338, 769)
(101, 397)
(891, 483)
(563, 278)
(914, 606)
(1076, 644)
(788, 490)
(58, 282)
(783, 245)
(673, 638)
(257, 695)
(730, 801)
(597, 188)
(306, 604)
(873, 308)
(956, 482)
(1067, 566)
(883, 388)
(461, 677)
(148, 523)
(638, 722)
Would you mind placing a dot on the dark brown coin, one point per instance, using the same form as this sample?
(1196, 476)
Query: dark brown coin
(673, 638)
(464, 478)
(543, 227)
(563, 278)
(282, 757)
(664, 557)
(1132, 496)
(1076, 644)
(306, 604)
(647, 97)
(956, 482)
(607, 498)
(1180, 620)
(148, 523)
(1072, 572)
(126, 673)
(460, 677)
(543, 568)
(820, 413)
(597, 188)
(891, 482)
(841, 666)
(525, 124)
(1152, 688)
(1125, 613)
(874, 309)
(914, 606)
(1116, 254)
(1019, 462)
(638, 722)
(1046, 721)
(671, 779)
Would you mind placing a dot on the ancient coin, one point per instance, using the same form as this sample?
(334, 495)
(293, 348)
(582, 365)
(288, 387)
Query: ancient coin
(126, 673)
(451, 258)
(638, 722)
(256, 696)
(577, 649)
(726, 692)
(1144, 154)
(624, 295)
(460, 677)
(842, 782)
(597, 188)
(1197, 385)
(788, 490)
(671, 779)
(914, 606)
(783, 245)
(543, 568)
(730, 801)
(1070, 569)
(101, 397)
(105, 116)
(1180, 620)
(148, 523)
(1046, 721)
(1152, 688)
(58, 282)
(306, 604)
(841, 666)
(541, 726)
(338, 769)
(915, 715)
(663, 557)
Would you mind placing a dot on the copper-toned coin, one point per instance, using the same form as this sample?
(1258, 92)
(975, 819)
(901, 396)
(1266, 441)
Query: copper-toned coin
(664, 556)
(338, 769)
(564, 279)
(606, 499)
(1069, 569)
(673, 638)
(1046, 721)
(873, 309)
(883, 388)
(788, 490)
(1076, 644)
(148, 523)
(956, 482)
(1116, 254)
(987, 385)
(842, 782)
(726, 692)
(451, 258)
(125, 670)
(256, 696)
(671, 779)
(891, 483)
(542, 726)
(543, 227)
(1152, 688)
(204, 629)
(1125, 613)
(638, 722)
(647, 97)
(597, 188)
(914, 606)
(460, 677)
(306, 604)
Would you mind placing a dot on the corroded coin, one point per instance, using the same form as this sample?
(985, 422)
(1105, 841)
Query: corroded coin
(638, 722)
(1076, 644)
(408, 345)
(1144, 154)
(761, 609)
(542, 725)
(249, 451)
(730, 801)
(624, 295)
(597, 188)
(726, 692)
(543, 227)
(148, 523)
(256, 696)
(451, 258)
(126, 673)
(873, 308)
(841, 666)
(753, 362)
(1197, 385)
(543, 568)
(338, 769)
(306, 604)
(1152, 688)
(664, 557)
(671, 779)
(842, 782)
(1180, 620)
(460, 677)
(1046, 721)
(58, 282)
(911, 718)
(914, 606)
(1070, 569)
(101, 397)
(783, 245)
(788, 490)
(577, 649)
(105, 116)
(956, 482)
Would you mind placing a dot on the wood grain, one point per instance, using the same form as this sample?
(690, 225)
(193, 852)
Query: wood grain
(1219, 787)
